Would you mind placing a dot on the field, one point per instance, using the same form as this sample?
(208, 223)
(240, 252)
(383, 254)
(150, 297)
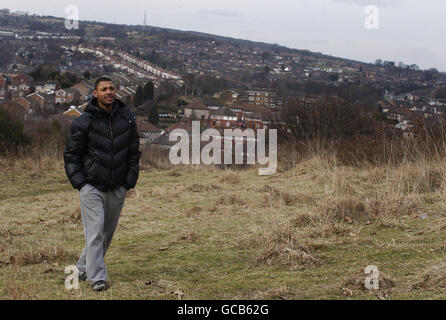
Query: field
(306, 232)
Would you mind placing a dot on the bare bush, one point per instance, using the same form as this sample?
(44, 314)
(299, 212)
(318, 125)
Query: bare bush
(355, 134)
(280, 245)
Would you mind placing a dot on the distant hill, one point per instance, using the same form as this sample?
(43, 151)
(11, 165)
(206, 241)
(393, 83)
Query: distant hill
(56, 24)
(241, 63)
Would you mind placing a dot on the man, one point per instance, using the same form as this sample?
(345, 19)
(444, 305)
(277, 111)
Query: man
(101, 161)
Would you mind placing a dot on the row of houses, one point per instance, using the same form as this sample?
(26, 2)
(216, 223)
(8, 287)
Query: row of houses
(220, 118)
(261, 96)
(214, 114)
(125, 61)
(45, 96)
(13, 84)
(407, 113)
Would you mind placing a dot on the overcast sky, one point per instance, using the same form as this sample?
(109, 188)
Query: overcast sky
(411, 31)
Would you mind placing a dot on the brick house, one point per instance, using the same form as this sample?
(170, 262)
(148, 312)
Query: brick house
(196, 110)
(212, 103)
(49, 86)
(264, 97)
(186, 125)
(85, 89)
(126, 95)
(28, 104)
(2, 82)
(223, 118)
(258, 120)
(44, 101)
(63, 96)
(229, 97)
(245, 109)
(148, 132)
(72, 112)
(20, 79)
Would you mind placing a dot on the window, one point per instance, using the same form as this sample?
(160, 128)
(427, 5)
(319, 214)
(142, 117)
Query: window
(218, 123)
(228, 124)
(257, 125)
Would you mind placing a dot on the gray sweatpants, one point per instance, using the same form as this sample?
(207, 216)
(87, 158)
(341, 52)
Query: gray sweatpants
(100, 214)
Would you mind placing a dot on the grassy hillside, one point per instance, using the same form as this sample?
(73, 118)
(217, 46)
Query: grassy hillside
(203, 233)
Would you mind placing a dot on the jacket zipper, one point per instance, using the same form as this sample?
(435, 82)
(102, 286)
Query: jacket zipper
(112, 149)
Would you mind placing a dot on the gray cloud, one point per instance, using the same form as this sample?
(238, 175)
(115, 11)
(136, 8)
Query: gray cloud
(221, 13)
(379, 3)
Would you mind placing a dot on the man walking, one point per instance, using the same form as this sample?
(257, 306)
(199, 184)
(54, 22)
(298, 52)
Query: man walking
(101, 161)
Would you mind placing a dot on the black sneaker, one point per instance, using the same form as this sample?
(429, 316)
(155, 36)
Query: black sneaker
(83, 276)
(99, 286)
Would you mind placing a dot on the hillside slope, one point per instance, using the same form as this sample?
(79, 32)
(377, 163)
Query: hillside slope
(204, 233)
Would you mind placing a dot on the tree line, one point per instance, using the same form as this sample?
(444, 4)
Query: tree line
(144, 98)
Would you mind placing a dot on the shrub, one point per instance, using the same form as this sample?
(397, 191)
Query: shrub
(11, 134)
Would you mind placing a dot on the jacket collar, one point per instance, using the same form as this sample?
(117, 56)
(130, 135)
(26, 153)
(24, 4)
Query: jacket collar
(94, 108)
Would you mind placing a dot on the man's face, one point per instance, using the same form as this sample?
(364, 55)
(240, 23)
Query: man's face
(105, 93)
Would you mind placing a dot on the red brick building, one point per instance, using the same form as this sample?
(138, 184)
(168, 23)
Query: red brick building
(223, 118)
(44, 101)
(63, 96)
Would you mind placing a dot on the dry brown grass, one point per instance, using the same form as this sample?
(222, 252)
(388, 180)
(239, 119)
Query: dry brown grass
(280, 245)
(38, 158)
(197, 187)
(355, 284)
(305, 219)
(74, 217)
(230, 178)
(380, 205)
(193, 211)
(417, 179)
(36, 256)
(275, 196)
(311, 215)
(188, 236)
(155, 157)
(230, 200)
(281, 293)
(174, 173)
(434, 278)
(344, 208)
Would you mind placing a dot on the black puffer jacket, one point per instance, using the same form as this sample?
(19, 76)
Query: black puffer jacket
(103, 148)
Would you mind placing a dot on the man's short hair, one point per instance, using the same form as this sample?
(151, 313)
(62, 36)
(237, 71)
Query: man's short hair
(101, 79)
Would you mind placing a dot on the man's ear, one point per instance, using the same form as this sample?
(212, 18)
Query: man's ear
(95, 93)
